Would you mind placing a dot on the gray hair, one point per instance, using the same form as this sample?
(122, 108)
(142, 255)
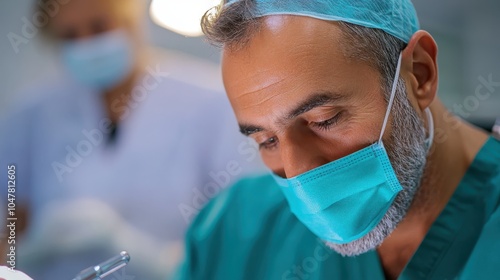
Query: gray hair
(232, 26)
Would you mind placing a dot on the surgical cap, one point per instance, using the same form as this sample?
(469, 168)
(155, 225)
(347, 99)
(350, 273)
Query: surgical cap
(396, 17)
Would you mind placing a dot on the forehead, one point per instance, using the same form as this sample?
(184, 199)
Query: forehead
(289, 54)
(282, 36)
(82, 11)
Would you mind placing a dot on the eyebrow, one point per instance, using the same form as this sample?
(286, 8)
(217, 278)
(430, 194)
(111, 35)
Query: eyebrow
(248, 130)
(314, 101)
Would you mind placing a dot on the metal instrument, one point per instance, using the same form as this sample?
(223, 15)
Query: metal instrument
(105, 268)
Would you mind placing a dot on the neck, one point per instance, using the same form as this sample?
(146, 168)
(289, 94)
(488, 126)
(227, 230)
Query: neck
(455, 145)
(116, 99)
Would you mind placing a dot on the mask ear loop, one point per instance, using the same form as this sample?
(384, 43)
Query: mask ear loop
(430, 123)
(391, 100)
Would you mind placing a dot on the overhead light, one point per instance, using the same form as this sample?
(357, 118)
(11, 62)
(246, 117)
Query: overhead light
(181, 16)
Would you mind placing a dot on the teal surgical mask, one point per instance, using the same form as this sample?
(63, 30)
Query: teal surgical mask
(343, 200)
(100, 62)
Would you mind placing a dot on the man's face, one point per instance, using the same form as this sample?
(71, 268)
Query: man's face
(304, 102)
(294, 91)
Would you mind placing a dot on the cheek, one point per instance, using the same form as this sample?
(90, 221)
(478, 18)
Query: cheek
(367, 118)
(121, 21)
(364, 127)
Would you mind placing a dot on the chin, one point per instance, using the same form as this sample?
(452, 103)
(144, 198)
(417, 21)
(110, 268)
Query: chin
(373, 239)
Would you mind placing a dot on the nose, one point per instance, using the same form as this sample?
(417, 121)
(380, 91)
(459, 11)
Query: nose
(301, 152)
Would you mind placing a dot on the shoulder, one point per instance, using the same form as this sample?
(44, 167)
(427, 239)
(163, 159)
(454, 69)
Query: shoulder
(488, 164)
(38, 97)
(485, 257)
(240, 208)
(486, 174)
(491, 149)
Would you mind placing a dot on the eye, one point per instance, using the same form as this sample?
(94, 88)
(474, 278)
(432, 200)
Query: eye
(269, 144)
(327, 124)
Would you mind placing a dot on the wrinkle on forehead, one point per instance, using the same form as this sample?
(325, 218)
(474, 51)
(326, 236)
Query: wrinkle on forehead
(257, 101)
(260, 85)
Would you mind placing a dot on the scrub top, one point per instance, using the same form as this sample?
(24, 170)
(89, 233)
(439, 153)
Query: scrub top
(248, 232)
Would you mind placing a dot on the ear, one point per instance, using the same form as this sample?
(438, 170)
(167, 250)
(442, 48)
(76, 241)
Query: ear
(420, 61)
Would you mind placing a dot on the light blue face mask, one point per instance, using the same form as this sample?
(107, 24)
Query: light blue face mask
(343, 200)
(100, 62)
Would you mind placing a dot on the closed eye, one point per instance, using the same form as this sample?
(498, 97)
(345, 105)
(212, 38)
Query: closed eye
(327, 124)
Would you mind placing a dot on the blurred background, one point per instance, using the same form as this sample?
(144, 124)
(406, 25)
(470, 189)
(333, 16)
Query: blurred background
(119, 129)
(466, 32)
(469, 61)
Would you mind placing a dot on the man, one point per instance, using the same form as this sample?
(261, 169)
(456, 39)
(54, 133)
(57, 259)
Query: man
(382, 181)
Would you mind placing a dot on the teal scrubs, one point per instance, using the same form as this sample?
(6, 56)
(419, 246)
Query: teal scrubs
(248, 232)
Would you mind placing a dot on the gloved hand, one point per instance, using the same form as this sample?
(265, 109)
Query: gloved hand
(8, 274)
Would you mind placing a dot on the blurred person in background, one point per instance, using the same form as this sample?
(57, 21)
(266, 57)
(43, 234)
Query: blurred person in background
(114, 155)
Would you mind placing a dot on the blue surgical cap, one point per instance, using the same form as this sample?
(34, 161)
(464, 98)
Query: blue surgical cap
(396, 17)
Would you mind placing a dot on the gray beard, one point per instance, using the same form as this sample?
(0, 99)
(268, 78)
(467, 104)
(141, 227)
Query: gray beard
(407, 153)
